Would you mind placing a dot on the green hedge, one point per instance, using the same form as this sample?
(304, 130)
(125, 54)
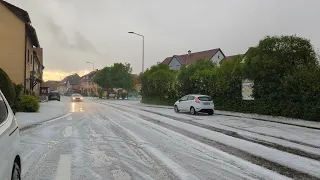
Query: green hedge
(28, 103)
(285, 71)
(7, 87)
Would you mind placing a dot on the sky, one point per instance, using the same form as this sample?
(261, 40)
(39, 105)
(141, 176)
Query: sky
(73, 32)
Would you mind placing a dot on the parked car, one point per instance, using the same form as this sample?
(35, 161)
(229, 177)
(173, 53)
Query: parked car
(54, 95)
(10, 160)
(76, 97)
(194, 103)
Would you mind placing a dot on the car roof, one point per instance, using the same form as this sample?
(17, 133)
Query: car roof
(197, 95)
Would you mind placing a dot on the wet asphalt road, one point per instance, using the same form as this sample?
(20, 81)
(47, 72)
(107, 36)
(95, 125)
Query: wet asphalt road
(97, 141)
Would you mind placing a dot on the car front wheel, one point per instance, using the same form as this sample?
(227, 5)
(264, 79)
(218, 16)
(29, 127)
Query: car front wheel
(176, 109)
(210, 113)
(193, 111)
(16, 173)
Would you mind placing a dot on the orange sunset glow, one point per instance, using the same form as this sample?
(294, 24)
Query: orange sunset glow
(58, 75)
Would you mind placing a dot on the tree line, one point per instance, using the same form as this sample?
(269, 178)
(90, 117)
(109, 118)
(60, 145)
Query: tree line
(116, 76)
(285, 71)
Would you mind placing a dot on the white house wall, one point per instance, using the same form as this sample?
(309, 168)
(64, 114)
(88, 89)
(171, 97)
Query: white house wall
(174, 64)
(217, 57)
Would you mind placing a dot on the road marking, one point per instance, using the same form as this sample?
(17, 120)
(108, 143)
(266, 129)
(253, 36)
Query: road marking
(68, 131)
(64, 168)
(69, 118)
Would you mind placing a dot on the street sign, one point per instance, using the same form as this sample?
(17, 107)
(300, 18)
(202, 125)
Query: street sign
(247, 89)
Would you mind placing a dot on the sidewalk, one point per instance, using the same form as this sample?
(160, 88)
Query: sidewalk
(282, 120)
(48, 110)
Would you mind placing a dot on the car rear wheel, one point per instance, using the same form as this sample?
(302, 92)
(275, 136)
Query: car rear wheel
(176, 109)
(16, 173)
(193, 111)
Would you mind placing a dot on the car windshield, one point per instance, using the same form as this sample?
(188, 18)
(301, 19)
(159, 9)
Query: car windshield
(160, 89)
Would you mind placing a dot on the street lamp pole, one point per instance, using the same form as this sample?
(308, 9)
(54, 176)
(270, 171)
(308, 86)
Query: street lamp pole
(92, 65)
(142, 48)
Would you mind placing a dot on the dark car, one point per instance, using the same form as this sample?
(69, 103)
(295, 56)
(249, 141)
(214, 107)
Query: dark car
(54, 95)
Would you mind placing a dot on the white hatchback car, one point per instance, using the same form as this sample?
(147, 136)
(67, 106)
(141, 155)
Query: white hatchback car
(10, 161)
(194, 103)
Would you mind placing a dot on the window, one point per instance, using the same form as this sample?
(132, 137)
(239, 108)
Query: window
(28, 56)
(218, 57)
(184, 98)
(205, 98)
(191, 98)
(3, 110)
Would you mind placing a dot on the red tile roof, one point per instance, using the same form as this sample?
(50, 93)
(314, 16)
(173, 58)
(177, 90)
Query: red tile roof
(193, 57)
(167, 60)
(228, 58)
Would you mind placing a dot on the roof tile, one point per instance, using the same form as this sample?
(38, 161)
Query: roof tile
(193, 57)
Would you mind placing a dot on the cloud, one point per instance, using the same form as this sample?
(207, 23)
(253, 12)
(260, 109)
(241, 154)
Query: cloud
(80, 42)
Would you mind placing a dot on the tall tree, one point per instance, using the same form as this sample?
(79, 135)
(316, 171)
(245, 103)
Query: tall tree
(116, 76)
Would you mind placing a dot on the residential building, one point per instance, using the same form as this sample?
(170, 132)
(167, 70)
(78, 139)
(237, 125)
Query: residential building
(176, 61)
(53, 85)
(229, 58)
(18, 39)
(36, 73)
(70, 84)
(87, 85)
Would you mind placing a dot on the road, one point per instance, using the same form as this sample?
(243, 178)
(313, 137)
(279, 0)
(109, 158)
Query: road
(101, 139)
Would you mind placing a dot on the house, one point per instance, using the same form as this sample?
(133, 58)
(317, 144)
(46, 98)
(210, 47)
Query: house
(87, 85)
(36, 73)
(18, 39)
(69, 84)
(53, 85)
(175, 61)
(229, 58)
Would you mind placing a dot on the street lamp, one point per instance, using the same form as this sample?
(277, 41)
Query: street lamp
(92, 65)
(142, 48)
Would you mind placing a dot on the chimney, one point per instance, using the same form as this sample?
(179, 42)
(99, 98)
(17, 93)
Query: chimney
(189, 52)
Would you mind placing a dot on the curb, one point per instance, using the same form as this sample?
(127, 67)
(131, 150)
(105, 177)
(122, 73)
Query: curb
(22, 128)
(254, 118)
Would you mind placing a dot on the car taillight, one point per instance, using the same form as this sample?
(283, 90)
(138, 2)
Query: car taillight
(196, 100)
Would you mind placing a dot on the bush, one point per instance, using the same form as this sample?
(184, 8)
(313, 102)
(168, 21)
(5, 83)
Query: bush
(28, 103)
(19, 92)
(100, 92)
(7, 87)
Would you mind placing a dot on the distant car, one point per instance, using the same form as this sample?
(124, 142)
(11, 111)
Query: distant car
(54, 95)
(10, 164)
(76, 97)
(195, 103)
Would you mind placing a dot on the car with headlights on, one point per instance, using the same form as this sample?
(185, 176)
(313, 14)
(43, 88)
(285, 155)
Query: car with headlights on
(76, 97)
(195, 103)
(10, 159)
